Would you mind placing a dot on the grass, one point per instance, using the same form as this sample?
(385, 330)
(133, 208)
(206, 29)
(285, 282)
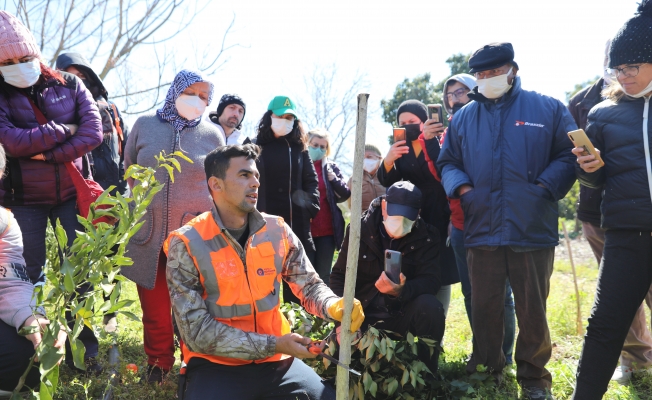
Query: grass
(567, 346)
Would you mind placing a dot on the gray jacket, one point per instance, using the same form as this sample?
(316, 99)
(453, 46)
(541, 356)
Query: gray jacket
(178, 202)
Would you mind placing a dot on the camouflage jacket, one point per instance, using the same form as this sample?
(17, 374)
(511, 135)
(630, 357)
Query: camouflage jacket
(201, 333)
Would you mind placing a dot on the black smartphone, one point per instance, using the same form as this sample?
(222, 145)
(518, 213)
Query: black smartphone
(393, 260)
(399, 134)
(435, 112)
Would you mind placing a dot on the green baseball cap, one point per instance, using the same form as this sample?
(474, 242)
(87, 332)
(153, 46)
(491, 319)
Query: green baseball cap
(282, 105)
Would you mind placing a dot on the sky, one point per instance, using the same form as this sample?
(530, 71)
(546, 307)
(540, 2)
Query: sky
(557, 43)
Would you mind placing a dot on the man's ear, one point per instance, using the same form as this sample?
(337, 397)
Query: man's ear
(215, 184)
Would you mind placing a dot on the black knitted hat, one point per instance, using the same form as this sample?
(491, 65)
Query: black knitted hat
(633, 42)
(231, 99)
(415, 107)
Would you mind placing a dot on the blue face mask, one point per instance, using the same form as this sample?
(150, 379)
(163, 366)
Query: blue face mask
(316, 153)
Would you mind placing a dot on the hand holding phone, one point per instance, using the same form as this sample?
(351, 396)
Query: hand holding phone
(580, 140)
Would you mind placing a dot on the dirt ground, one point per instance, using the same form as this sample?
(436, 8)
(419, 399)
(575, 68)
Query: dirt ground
(581, 250)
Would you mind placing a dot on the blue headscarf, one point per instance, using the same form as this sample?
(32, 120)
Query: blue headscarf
(181, 82)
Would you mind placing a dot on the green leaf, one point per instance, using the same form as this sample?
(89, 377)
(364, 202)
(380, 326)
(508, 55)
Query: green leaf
(370, 352)
(367, 379)
(413, 379)
(373, 388)
(170, 171)
(60, 233)
(383, 346)
(392, 386)
(405, 378)
(361, 390)
(78, 351)
(129, 315)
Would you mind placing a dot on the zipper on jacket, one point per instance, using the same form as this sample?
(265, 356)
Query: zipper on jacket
(57, 179)
(646, 143)
(243, 258)
(290, 180)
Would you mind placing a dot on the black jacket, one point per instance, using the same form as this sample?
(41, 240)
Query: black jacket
(107, 159)
(588, 206)
(420, 250)
(435, 209)
(288, 186)
(617, 130)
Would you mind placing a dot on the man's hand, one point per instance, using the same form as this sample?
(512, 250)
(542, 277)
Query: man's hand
(386, 286)
(336, 311)
(294, 345)
(395, 152)
(432, 129)
(72, 127)
(39, 157)
(463, 189)
(37, 337)
(587, 162)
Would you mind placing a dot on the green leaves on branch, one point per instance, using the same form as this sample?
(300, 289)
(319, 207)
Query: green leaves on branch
(94, 259)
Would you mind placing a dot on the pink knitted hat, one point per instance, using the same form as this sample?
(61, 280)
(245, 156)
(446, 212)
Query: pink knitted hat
(16, 41)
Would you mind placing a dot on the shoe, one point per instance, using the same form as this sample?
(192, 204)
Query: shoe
(155, 374)
(110, 323)
(623, 375)
(537, 393)
(93, 368)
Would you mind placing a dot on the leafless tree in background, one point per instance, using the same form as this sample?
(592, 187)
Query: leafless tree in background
(112, 33)
(333, 109)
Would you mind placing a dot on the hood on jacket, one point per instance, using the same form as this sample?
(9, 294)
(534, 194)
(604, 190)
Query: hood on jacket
(78, 61)
(465, 79)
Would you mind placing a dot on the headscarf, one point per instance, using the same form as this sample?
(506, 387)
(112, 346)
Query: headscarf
(181, 82)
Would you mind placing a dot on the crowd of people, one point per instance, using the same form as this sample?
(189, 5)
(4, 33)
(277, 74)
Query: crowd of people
(254, 222)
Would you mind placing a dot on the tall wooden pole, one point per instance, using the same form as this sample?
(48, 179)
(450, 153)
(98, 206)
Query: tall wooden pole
(578, 316)
(342, 382)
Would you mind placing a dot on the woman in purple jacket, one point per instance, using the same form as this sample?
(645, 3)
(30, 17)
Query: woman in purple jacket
(35, 185)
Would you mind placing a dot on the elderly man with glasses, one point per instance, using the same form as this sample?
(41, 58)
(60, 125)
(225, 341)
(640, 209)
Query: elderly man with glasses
(508, 159)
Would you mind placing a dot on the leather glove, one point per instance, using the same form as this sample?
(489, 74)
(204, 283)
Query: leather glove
(336, 310)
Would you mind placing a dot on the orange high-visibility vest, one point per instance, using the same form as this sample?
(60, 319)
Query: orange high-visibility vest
(244, 295)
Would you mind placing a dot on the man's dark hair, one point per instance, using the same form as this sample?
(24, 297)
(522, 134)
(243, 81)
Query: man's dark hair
(218, 160)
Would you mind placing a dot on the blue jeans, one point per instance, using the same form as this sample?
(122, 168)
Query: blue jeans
(322, 258)
(33, 222)
(457, 242)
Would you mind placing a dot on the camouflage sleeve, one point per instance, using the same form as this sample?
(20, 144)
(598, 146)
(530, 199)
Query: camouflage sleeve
(199, 331)
(304, 281)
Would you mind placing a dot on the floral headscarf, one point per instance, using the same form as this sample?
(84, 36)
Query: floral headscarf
(181, 82)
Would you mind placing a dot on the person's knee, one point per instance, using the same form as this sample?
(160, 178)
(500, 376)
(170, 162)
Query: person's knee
(429, 318)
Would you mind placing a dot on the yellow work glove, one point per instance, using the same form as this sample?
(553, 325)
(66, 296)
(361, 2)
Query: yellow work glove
(336, 310)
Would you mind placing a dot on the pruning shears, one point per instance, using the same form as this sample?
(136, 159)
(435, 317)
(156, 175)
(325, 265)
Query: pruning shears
(315, 348)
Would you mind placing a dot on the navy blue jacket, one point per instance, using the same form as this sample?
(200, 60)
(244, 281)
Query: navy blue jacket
(616, 129)
(503, 149)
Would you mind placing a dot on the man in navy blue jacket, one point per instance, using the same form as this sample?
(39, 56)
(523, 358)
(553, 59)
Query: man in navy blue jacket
(508, 159)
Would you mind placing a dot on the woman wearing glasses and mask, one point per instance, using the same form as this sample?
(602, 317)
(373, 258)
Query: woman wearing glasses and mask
(620, 128)
(288, 181)
(327, 228)
(177, 126)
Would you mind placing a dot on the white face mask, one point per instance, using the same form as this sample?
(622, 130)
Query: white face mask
(22, 75)
(397, 226)
(370, 164)
(281, 126)
(190, 107)
(493, 88)
(642, 93)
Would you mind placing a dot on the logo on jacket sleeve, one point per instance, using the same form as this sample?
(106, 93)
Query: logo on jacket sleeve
(523, 123)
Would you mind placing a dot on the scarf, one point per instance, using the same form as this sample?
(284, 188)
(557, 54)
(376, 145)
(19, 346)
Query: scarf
(181, 82)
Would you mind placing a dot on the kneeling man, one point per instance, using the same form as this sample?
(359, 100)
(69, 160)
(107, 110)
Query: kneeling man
(392, 222)
(224, 271)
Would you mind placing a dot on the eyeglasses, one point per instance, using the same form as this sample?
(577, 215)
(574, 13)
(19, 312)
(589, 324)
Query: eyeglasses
(457, 93)
(629, 71)
(316, 146)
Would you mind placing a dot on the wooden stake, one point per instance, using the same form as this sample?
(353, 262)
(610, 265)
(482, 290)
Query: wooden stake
(342, 383)
(580, 328)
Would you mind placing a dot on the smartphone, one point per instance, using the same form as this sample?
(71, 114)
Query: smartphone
(393, 260)
(399, 134)
(435, 112)
(580, 139)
